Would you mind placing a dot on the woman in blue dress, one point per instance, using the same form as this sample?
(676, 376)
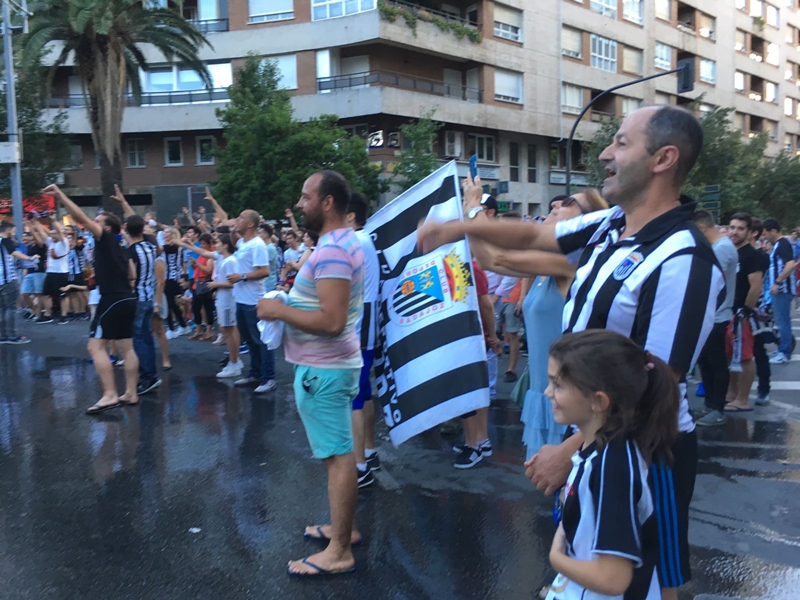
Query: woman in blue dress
(549, 277)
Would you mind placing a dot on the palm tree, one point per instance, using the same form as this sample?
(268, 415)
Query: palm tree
(102, 39)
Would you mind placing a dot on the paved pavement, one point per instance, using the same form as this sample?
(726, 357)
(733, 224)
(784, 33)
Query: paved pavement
(203, 491)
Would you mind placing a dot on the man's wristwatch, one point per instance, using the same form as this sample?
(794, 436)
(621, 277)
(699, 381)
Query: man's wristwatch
(473, 212)
(243, 276)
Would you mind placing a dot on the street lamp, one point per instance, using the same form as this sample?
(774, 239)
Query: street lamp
(685, 73)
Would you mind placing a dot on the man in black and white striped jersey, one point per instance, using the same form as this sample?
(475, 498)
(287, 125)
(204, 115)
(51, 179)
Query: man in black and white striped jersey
(644, 270)
(143, 253)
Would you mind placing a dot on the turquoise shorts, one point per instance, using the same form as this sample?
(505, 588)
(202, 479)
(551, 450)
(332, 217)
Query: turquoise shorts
(324, 398)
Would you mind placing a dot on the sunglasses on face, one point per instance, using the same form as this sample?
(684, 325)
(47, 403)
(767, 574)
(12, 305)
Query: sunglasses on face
(572, 200)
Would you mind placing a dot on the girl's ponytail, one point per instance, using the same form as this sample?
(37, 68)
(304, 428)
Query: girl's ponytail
(656, 425)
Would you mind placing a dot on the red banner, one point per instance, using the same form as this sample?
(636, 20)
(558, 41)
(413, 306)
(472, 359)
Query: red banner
(30, 205)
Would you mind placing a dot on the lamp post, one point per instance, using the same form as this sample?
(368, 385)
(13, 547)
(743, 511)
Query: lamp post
(685, 73)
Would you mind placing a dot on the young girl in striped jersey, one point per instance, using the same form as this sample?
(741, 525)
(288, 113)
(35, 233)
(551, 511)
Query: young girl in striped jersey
(624, 401)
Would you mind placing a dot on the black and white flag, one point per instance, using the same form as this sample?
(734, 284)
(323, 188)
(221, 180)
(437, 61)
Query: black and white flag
(431, 354)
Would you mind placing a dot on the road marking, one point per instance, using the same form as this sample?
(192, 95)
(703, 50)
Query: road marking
(782, 385)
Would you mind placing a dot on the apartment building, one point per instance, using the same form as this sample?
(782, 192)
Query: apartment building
(507, 79)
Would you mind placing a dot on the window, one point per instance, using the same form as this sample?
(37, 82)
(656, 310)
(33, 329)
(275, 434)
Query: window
(740, 41)
(773, 54)
(788, 107)
(604, 54)
(738, 81)
(741, 5)
(189, 80)
(756, 8)
(791, 71)
(360, 130)
(788, 144)
(571, 98)
(773, 16)
(507, 23)
(330, 9)
(629, 105)
(662, 98)
(204, 150)
(513, 161)
(791, 35)
(632, 60)
(135, 153)
(173, 79)
(571, 42)
(771, 92)
(663, 56)
(708, 70)
(606, 8)
(160, 80)
(173, 152)
(264, 11)
(75, 155)
(705, 109)
(663, 9)
(507, 86)
(532, 163)
(286, 66)
(632, 10)
(740, 121)
(482, 145)
(771, 129)
(708, 26)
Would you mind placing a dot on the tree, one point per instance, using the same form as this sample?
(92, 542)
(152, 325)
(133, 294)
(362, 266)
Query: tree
(268, 154)
(595, 169)
(46, 148)
(419, 160)
(102, 37)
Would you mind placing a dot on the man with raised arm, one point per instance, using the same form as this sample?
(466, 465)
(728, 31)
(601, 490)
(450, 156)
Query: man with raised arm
(116, 312)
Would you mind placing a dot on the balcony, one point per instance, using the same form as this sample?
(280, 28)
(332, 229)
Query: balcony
(599, 116)
(429, 14)
(210, 25)
(399, 80)
(149, 99)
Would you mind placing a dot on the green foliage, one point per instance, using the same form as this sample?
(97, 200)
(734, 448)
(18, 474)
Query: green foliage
(419, 160)
(267, 154)
(46, 148)
(749, 181)
(391, 12)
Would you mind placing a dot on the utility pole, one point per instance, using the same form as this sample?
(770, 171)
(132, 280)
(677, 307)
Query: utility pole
(13, 154)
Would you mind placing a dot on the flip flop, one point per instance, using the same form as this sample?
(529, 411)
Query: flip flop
(320, 571)
(126, 403)
(169, 368)
(732, 408)
(97, 409)
(323, 537)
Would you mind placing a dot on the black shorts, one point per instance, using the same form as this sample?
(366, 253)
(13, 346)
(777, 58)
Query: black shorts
(113, 319)
(77, 279)
(53, 282)
(673, 488)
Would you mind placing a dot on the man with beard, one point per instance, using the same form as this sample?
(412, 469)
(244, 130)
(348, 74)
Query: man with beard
(252, 260)
(645, 271)
(322, 343)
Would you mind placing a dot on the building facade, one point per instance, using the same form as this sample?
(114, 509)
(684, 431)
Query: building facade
(507, 79)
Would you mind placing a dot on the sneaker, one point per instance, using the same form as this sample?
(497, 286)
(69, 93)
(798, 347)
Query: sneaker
(231, 370)
(44, 319)
(510, 377)
(63, 321)
(763, 400)
(700, 392)
(3, 340)
(485, 447)
(365, 478)
(715, 417)
(146, 387)
(85, 317)
(16, 341)
(779, 359)
(183, 331)
(702, 412)
(373, 462)
(219, 341)
(171, 335)
(119, 362)
(242, 350)
(246, 380)
(468, 458)
(267, 385)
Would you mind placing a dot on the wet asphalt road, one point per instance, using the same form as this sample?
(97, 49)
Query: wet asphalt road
(110, 507)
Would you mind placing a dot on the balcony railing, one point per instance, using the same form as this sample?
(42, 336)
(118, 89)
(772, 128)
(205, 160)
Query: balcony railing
(448, 16)
(210, 25)
(599, 116)
(149, 99)
(407, 82)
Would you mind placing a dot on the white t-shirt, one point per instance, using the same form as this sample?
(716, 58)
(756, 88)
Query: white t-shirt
(371, 267)
(250, 256)
(225, 267)
(58, 265)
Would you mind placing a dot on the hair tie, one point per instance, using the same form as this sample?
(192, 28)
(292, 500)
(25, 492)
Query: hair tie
(648, 361)
(649, 366)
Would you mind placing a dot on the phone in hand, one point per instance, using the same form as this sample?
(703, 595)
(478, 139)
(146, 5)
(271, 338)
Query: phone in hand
(473, 166)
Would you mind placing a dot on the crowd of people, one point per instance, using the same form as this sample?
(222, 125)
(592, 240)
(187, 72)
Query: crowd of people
(617, 306)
